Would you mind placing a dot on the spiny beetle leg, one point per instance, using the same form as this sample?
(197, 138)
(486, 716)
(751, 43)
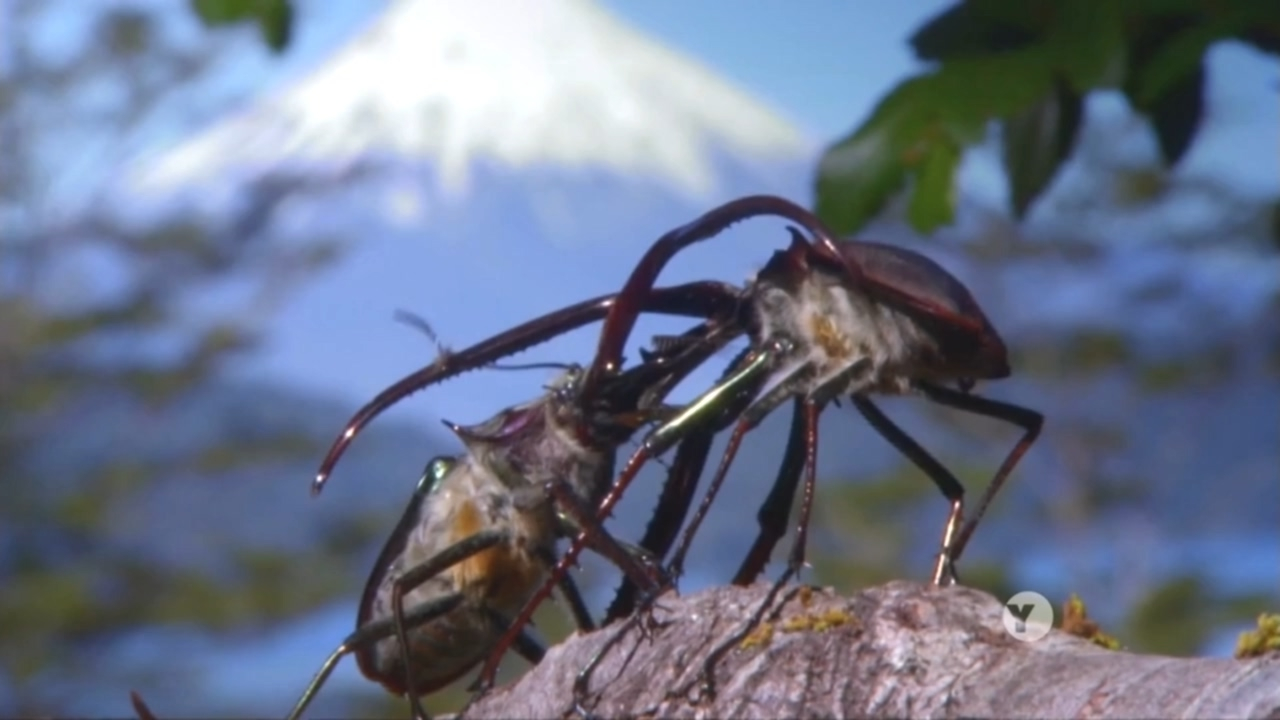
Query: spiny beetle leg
(1029, 420)
(636, 565)
(373, 632)
(795, 560)
(776, 509)
(643, 621)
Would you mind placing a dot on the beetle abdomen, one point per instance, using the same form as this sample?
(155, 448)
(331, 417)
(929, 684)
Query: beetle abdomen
(440, 652)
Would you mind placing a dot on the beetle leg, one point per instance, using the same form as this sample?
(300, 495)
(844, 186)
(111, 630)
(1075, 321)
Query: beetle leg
(573, 598)
(1029, 420)
(637, 564)
(397, 623)
(677, 493)
(776, 508)
(712, 412)
(795, 560)
(417, 575)
(944, 566)
(712, 403)
(373, 632)
(669, 515)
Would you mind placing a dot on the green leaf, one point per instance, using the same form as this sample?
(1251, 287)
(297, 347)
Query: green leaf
(1169, 63)
(276, 22)
(971, 28)
(940, 112)
(222, 12)
(1085, 35)
(947, 110)
(1037, 141)
(933, 199)
(1176, 115)
(1167, 80)
(1086, 43)
(1275, 224)
(1165, 47)
(856, 178)
(274, 17)
(951, 33)
(1265, 40)
(1259, 25)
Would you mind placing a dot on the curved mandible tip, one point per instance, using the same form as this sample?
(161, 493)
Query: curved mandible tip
(452, 364)
(437, 371)
(140, 706)
(622, 317)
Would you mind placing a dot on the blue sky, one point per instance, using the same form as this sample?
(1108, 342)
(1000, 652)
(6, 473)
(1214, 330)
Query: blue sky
(823, 68)
(824, 65)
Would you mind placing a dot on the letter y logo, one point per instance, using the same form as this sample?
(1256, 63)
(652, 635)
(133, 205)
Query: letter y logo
(1028, 616)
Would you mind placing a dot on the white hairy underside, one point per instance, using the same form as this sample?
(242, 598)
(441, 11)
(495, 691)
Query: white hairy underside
(836, 328)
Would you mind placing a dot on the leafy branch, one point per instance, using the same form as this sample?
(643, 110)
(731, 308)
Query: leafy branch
(1028, 66)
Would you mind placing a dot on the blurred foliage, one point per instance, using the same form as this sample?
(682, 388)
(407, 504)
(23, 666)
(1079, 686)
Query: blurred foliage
(65, 352)
(877, 525)
(880, 541)
(1075, 620)
(274, 18)
(1028, 65)
(1262, 640)
(97, 348)
(1178, 616)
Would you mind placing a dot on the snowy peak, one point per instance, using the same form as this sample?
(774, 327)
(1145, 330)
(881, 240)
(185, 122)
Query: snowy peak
(516, 83)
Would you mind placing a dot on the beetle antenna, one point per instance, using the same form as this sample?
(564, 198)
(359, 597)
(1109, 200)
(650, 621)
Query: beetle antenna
(415, 320)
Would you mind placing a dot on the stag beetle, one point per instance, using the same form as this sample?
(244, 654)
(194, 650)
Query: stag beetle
(480, 533)
(826, 318)
(480, 530)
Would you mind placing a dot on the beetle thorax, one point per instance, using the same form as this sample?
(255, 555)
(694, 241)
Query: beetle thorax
(846, 342)
(549, 449)
(560, 453)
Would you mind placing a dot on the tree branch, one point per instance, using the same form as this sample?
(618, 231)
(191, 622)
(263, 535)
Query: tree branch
(898, 650)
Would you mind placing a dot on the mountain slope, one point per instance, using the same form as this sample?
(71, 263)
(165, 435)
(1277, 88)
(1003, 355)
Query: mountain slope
(518, 83)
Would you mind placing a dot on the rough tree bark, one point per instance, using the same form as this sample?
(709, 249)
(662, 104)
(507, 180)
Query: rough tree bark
(899, 650)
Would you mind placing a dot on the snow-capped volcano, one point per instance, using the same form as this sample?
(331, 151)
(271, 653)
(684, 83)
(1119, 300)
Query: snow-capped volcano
(514, 83)
(527, 150)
